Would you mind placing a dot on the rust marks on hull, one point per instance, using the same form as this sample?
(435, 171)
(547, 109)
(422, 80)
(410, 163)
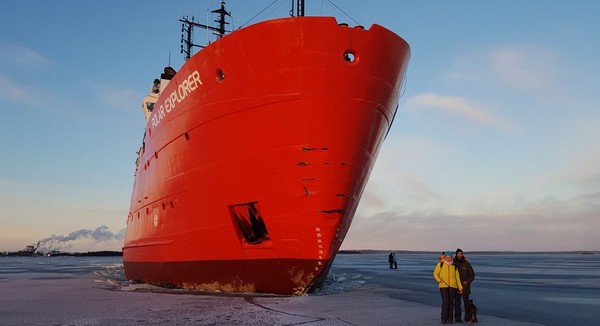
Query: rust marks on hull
(306, 191)
(285, 276)
(220, 287)
(301, 279)
(308, 149)
(332, 211)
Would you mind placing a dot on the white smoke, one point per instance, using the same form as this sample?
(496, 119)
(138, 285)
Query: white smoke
(84, 240)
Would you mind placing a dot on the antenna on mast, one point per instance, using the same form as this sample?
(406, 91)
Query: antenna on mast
(187, 30)
(299, 8)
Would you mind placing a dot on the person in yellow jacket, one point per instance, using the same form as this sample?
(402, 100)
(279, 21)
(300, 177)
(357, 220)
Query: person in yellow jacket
(446, 274)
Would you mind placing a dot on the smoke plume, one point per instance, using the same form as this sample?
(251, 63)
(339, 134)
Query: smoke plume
(83, 240)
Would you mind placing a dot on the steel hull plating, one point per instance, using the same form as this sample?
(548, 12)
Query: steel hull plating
(257, 153)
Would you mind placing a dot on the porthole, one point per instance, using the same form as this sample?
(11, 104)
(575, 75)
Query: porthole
(220, 75)
(349, 56)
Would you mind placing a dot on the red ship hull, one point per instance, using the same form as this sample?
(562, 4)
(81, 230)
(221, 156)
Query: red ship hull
(257, 153)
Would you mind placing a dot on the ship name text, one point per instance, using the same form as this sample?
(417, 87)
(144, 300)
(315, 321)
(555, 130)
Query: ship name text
(187, 86)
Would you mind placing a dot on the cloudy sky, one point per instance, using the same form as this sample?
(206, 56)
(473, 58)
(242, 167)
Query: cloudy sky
(496, 144)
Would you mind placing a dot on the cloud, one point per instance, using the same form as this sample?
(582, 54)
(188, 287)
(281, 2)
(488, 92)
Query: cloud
(36, 97)
(15, 92)
(20, 56)
(580, 148)
(401, 170)
(119, 98)
(40, 99)
(526, 67)
(455, 105)
(543, 225)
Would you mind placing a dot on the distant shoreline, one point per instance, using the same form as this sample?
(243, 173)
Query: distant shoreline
(104, 253)
(491, 252)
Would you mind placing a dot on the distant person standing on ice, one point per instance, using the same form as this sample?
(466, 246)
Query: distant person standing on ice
(446, 274)
(391, 260)
(467, 275)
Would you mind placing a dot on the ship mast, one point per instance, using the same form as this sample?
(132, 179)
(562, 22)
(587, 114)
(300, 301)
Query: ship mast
(299, 9)
(187, 30)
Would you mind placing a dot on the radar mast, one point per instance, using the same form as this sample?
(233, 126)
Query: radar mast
(187, 30)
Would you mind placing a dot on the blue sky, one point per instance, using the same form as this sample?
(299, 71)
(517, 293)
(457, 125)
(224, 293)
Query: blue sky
(495, 146)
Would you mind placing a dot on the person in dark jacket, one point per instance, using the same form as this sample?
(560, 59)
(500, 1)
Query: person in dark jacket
(467, 275)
